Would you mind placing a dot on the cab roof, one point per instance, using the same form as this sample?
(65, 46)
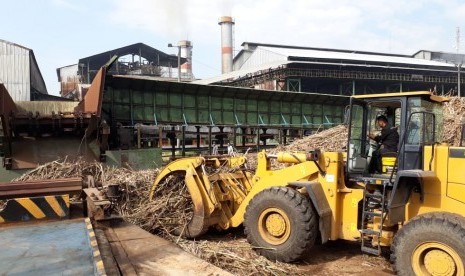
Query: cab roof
(428, 94)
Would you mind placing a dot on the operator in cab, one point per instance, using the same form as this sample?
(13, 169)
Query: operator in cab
(387, 141)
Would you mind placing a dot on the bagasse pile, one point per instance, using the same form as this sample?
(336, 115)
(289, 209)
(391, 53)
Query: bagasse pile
(335, 139)
(454, 117)
(172, 208)
(332, 139)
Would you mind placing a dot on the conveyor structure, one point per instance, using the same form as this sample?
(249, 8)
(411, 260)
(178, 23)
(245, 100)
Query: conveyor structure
(131, 120)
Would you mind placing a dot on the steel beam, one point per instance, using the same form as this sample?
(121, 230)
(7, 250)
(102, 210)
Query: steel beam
(40, 187)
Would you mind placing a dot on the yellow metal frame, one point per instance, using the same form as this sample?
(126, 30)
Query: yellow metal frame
(404, 94)
(224, 196)
(342, 201)
(440, 193)
(221, 199)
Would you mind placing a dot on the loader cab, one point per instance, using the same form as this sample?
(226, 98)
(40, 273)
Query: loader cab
(417, 117)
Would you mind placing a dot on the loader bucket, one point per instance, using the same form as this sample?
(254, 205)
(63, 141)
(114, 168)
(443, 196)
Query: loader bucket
(215, 190)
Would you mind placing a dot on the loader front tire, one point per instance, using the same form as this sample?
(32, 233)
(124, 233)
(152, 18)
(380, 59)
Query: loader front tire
(281, 224)
(430, 244)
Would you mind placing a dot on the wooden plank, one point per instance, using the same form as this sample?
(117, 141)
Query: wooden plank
(124, 263)
(140, 253)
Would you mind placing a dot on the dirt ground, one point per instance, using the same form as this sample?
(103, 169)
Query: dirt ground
(332, 258)
(344, 258)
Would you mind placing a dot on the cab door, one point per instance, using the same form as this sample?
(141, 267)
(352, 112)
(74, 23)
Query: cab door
(421, 131)
(357, 162)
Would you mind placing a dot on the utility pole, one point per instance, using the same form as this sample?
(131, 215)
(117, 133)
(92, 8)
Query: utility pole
(458, 79)
(179, 65)
(459, 63)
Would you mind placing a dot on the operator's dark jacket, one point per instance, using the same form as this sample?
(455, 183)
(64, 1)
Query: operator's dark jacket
(389, 138)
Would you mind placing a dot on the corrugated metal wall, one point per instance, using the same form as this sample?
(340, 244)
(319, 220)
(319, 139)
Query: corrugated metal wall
(15, 70)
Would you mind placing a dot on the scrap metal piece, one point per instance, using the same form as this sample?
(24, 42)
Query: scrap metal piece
(99, 206)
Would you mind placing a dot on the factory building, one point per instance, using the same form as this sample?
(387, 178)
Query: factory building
(137, 60)
(166, 110)
(340, 72)
(20, 73)
(71, 86)
(267, 94)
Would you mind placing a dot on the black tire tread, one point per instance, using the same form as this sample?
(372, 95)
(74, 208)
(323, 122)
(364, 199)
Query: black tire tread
(306, 224)
(451, 224)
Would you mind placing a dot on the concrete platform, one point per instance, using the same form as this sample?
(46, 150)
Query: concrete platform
(47, 248)
(138, 252)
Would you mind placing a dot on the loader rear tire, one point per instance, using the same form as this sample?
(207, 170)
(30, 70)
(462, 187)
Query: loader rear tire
(281, 224)
(430, 244)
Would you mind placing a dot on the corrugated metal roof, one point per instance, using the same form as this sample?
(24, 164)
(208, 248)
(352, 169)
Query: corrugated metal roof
(259, 61)
(249, 46)
(14, 44)
(241, 73)
(151, 54)
(321, 54)
(144, 77)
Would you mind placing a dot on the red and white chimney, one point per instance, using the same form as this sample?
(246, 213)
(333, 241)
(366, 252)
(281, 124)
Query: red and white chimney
(226, 23)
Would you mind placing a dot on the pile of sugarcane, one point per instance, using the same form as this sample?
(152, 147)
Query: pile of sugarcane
(166, 215)
(454, 117)
(332, 139)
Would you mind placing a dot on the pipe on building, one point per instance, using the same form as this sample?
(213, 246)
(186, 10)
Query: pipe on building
(226, 23)
(186, 52)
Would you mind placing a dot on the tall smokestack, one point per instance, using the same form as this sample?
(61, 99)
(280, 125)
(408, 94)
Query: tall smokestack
(226, 23)
(186, 52)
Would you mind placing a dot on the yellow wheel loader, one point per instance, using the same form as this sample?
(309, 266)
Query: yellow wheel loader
(415, 206)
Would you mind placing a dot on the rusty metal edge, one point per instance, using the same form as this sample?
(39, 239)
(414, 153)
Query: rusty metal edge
(40, 187)
(7, 108)
(92, 102)
(64, 181)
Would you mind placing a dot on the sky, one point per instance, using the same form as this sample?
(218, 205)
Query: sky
(60, 32)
